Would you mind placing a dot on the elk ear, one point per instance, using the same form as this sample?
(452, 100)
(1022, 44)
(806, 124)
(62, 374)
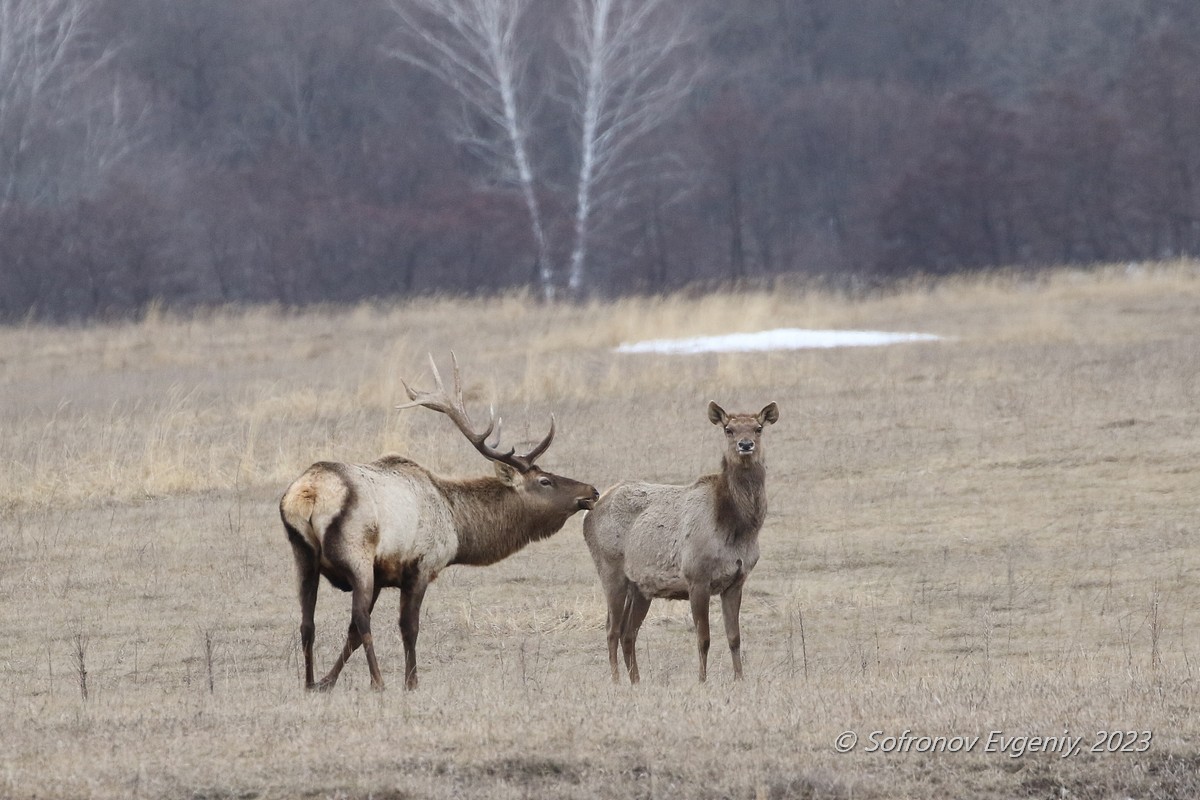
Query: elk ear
(507, 474)
(716, 414)
(770, 413)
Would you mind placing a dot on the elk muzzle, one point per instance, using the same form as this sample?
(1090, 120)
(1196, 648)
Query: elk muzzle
(588, 503)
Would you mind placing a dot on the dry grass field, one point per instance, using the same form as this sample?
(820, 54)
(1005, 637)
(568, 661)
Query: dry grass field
(992, 533)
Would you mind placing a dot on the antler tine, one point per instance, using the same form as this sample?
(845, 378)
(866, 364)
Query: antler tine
(486, 432)
(460, 405)
(495, 443)
(438, 400)
(453, 406)
(458, 392)
(437, 376)
(416, 398)
(412, 393)
(532, 455)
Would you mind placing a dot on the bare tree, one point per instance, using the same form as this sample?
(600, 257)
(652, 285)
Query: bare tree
(629, 79)
(45, 59)
(626, 79)
(473, 46)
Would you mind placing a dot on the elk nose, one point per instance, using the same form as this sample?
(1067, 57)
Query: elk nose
(588, 504)
(745, 446)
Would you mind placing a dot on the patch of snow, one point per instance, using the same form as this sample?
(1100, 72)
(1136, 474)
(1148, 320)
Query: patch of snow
(778, 339)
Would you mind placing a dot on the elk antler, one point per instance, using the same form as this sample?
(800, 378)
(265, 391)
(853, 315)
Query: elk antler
(453, 407)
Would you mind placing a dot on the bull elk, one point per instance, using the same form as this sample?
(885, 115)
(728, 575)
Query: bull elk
(683, 542)
(394, 523)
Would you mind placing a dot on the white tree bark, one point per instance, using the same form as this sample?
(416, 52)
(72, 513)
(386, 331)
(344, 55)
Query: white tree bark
(629, 80)
(473, 47)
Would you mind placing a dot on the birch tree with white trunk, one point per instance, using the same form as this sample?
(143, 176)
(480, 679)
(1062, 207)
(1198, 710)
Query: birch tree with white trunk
(475, 47)
(630, 78)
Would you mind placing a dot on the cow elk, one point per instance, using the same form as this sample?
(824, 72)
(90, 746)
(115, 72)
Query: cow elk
(395, 523)
(683, 542)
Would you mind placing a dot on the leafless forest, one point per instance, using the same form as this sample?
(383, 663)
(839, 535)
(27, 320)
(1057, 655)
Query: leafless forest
(298, 151)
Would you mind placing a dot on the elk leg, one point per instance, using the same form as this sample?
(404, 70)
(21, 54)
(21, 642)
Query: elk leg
(635, 613)
(731, 607)
(352, 643)
(309, 583)
(617, 603)
(410, 624)
(310, 577)
(354, 639)
(361, 617)
(698, 596)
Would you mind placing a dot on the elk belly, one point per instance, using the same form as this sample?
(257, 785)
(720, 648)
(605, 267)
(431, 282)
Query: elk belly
(667, 588)
(657, 577)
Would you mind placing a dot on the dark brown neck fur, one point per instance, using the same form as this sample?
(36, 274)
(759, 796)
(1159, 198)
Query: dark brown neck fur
(741, 498)
(491, 519)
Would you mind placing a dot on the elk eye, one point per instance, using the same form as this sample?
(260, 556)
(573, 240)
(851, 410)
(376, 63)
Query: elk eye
(544, 481)
(728, 432)
(758, 429)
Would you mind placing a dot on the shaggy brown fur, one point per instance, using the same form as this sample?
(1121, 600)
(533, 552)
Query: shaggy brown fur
(677, 542)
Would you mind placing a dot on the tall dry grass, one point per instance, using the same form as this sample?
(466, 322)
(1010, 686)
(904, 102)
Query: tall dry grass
(230, 397)
(993, 532)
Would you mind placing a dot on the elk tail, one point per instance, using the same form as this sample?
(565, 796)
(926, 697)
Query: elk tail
(296, 511)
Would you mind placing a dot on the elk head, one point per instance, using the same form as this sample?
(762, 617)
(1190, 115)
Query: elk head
(517, 471)
(743, 432)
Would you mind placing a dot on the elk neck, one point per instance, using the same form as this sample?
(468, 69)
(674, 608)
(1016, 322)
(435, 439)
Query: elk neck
(741, 497)
(492, 519)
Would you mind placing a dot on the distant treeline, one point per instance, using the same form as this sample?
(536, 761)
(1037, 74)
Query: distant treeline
(299, 151)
